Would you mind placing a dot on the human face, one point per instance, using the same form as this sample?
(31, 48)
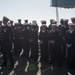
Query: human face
(19, 21)
(5, 22)
(71, 27)
(54, 27)
(73, 21)
(0, 23)
(43, 28)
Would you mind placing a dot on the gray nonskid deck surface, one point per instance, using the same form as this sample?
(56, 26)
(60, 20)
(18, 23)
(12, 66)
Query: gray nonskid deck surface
(24, 66)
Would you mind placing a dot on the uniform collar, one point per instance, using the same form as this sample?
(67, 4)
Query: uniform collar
(43, 31)
(54, 30)
(71, 31)
(25, 23)
(0, 25)
(5, 25)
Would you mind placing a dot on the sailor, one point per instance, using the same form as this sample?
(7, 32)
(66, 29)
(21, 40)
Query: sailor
(43, 42)
(6, 36)
(12, 28)
(17, 39)
(54, 39)
(34, 40)
(20, 38)
(66, 23)
(63, 28)
(26, 22)
(25, 34)
(19, 21)
(51, 21)
(70, 44)
(27, 25)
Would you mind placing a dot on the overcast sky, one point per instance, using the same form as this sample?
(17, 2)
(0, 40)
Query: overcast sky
(32, 10)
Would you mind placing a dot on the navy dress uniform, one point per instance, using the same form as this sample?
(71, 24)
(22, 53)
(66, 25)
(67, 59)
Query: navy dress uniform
(18, 39)
(12, 28)
(17, 35)
(54, 39)
(34, 40)
(63, 28)
(20, 27)
(44, 42)
(6, 36)
(25, 34)
(70, 44)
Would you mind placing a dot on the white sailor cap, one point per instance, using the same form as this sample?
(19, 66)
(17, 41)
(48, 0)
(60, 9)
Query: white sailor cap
(5, 18)
(19, 19)
(43, 21)
(73, 18)
(61, 20)
(34, 22)
(51, 19)
(54, 22)
(0, 21)
(26, 20)
(54, 25)
(66, 20)
(16, 23)
(71, 24)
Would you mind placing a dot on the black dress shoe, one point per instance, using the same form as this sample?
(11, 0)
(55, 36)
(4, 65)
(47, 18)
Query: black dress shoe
(59, 65)
(3, 64)
(22, 55)
(50, 62)
(71, 68)
(46, 61)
